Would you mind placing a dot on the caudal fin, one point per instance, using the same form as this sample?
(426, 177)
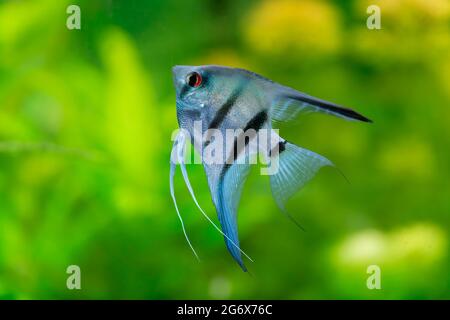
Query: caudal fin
(296, 166)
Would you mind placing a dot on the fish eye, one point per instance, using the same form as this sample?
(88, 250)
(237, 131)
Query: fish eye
(194, 79)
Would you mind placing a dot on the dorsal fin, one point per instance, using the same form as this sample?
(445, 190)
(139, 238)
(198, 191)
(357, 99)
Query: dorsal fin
(288, 103)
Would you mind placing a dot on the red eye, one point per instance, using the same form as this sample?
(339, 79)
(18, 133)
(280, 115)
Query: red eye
(194, 79)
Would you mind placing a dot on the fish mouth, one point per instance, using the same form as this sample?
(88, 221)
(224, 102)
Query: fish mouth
(176, 79)
(179, 74)
(176, 69)
(180, 69)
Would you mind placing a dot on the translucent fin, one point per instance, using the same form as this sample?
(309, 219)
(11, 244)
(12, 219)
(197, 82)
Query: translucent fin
(289, 103)
(172, 193)
(285, 110)
(296, 167)
(227, 199)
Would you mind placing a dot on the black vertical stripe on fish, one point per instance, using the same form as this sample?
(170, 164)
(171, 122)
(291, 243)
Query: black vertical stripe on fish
(226, 107)
(223, 111)
(281, 147)
(257, 121)
(255, 124)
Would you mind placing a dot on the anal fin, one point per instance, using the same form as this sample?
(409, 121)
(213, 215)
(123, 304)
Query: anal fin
(295, 168)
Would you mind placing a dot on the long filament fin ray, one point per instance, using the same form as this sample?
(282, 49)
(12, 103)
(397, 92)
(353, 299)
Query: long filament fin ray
(172, 193)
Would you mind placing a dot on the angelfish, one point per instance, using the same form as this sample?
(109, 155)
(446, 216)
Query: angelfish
(224, 98)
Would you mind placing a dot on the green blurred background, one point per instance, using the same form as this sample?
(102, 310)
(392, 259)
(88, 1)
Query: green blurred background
(86, 118)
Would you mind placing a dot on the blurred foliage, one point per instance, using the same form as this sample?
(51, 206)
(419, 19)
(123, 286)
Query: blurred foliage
(86, 118)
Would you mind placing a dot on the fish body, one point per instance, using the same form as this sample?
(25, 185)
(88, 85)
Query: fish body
(221, 99)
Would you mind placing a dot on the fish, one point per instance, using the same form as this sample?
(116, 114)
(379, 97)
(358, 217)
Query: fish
(211, 100)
